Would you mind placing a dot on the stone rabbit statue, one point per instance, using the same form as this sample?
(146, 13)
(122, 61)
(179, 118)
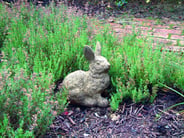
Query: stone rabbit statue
(85, 87)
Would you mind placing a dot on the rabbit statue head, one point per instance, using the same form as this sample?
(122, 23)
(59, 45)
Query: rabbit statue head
(98, 63)
(85, 87)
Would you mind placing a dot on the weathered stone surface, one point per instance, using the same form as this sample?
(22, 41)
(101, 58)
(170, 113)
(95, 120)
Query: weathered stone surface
(161, 34)
(165, 41)
(161, 26)
(146, 28)
(181, 42)
(146, 33)
(85, 87)
(143, 20)
(118, 30)
(168, 31)
(173, 48)
(177, 37)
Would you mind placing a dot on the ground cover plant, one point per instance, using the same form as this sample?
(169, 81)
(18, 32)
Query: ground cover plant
(41, 45)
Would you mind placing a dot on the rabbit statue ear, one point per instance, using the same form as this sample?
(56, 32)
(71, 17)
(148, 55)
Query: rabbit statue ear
(88, 53)
(98, 49)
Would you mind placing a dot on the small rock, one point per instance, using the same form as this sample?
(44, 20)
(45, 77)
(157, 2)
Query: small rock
(86, 135)
(167, 126)
(110, 20)
(99, 116)
(77, 109)
(114, 117)
(96, 114)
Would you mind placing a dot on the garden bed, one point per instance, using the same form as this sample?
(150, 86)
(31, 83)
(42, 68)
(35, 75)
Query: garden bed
(40, 45)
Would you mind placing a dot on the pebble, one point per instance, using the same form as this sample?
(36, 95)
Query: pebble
(70, 113)
(86, 135)
(114, 117)
(77, 109)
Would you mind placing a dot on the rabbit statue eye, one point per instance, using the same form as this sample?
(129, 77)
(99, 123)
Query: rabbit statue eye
(98, 63)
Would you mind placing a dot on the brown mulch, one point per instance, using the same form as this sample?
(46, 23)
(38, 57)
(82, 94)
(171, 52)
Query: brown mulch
(131, 120)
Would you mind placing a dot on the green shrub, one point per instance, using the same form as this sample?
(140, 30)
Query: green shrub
(39, 49)
(48, 41)
(7, 131)
(3, 24)
(28, 101)
(137, 69)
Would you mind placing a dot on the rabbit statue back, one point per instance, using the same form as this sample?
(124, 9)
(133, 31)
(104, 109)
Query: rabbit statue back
(85, 87)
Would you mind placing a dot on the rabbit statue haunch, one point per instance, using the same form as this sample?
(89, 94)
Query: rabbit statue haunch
(85, 87)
